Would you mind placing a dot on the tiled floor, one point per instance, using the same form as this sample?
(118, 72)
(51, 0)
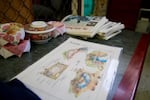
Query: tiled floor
(143, 90)
(143, 25)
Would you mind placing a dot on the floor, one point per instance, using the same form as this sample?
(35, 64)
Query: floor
(143, 25)
(143, 90)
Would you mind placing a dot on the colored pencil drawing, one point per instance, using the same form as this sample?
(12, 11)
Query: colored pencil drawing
(96, 59)
(84, 81)
(70, 53)
(54, 71)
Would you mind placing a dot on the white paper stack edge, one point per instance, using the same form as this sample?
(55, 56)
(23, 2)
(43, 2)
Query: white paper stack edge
(110, 29)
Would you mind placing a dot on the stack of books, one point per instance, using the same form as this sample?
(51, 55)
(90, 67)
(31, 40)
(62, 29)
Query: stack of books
(89, 26)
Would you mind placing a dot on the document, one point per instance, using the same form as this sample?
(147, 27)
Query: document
(75, 70)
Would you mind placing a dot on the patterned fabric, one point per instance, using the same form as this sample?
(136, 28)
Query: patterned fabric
(11, 33)
(16, 11)
(100, 7)
(74, 6)
(88, 7)
(17, 50)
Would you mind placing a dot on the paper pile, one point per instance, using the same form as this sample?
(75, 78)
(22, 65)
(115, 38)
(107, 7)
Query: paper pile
(89, 26)
(75, 70)
(12, 40)
(84, 26)
(110, 29)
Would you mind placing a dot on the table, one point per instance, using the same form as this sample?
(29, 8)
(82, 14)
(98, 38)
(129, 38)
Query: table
(133, 43)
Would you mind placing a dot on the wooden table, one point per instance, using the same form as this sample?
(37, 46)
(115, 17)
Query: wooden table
(129, 70)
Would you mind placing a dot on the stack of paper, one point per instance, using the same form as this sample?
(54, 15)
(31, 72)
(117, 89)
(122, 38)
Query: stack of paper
(84, 26)
(75, 70)
(110, 29)
(89, 26)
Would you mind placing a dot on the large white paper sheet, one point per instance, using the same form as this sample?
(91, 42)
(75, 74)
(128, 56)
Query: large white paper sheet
(75, 70)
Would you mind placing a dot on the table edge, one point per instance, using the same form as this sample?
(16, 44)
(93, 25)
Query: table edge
(129, 83)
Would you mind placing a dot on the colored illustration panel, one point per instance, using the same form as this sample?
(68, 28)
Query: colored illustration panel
(96, 59)
(55, 70)
(84, 81)
(70, 53)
